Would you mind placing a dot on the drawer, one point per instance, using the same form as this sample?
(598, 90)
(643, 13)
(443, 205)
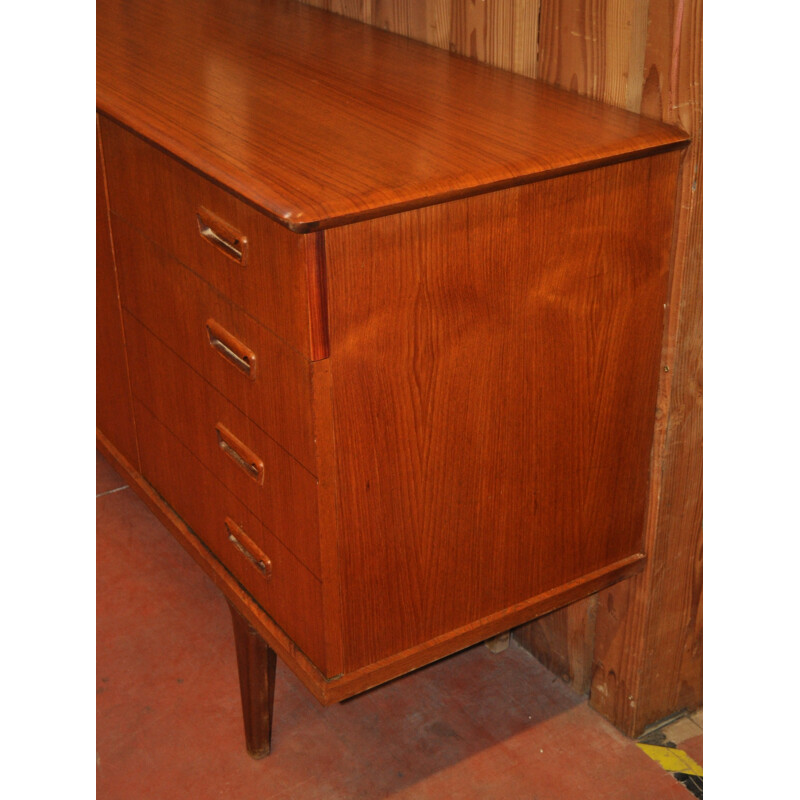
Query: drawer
(171, 204)
(266, 380)
(272, 484)
(283, 587)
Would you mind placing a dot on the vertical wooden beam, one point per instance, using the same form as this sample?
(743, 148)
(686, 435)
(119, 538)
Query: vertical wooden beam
(648, 646)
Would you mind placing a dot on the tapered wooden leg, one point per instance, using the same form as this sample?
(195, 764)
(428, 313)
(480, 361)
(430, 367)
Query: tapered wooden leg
(256, 662)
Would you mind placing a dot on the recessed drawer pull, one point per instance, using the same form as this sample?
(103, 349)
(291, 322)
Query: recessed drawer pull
(240, 453)
(234, 351)
(222, 235)
(242, 542)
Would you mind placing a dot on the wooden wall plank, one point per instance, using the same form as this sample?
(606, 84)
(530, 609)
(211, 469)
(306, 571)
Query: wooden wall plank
(503, 33)
(595, 48)
(424, 20)
(526, 38)
(483, 31)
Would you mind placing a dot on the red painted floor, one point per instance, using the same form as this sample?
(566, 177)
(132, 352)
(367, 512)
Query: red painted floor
(476, 725)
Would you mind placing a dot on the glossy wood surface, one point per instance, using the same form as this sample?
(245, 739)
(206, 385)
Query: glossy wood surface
(318, 120)
(291, 596)
(644, 56)
(495, 366)
(161, 199)
(483, 371)
(284, 497)
(113, 402)
(223, 579)
(339, 687)
(176, 305)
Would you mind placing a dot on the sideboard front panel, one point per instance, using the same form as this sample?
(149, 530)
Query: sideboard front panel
(284, 588)
(171, 204)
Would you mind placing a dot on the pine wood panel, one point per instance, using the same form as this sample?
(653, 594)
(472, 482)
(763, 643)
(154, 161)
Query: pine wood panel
(502, 33)
(594, 48)
(510, 457)
(649, 633)
(113, 403)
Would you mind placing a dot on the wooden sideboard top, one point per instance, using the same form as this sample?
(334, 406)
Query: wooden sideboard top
(319, 120)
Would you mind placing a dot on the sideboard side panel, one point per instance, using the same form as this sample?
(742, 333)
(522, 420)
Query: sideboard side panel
(495, 364)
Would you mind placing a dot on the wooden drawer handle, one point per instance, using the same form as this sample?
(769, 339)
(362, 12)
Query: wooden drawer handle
(230, 348)
(242, 542)
(222, 235)
(240, 453)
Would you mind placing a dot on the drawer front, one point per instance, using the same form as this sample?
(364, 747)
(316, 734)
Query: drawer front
(272, 484)
(254, 261)
(280, 584)
(266, 380)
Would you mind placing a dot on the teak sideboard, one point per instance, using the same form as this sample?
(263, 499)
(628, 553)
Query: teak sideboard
(379, 330)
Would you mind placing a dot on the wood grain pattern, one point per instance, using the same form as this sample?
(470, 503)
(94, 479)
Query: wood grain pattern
(594, 49)
(461, 147)
(493, 384)
(499, 32)
(175, 304)
(599, 49)
(484, 31)
(384, 145)
(479, 630)
(272, 287)
(427, 21)
(113, 402)
(292, 595)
